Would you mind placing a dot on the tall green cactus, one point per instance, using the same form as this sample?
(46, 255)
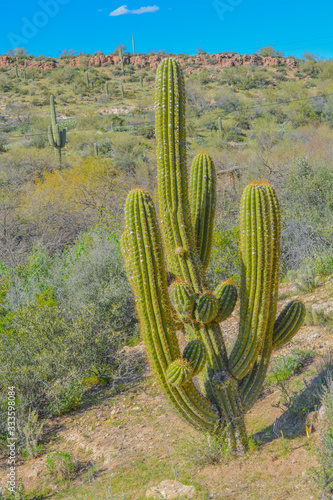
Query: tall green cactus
(229, 383)
(107, 89)
(133, 45)
(57, 137)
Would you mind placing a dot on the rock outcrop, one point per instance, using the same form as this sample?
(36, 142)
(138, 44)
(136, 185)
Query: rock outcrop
(221, 60)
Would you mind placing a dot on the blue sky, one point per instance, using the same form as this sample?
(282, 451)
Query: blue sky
(49, 26)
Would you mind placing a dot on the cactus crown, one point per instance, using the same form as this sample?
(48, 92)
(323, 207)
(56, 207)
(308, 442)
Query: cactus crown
(229, 384)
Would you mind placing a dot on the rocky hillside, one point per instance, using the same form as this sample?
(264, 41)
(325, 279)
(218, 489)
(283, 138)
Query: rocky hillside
(221, 60)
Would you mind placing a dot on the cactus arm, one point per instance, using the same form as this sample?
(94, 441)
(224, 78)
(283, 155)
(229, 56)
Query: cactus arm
(288, 323)
(63, 138)
(276, 250)
(53, 112)
(56, 135)
(182, 257)
(145, 265)
(226, 293)
(202, 197)
(251, 385)
(259, 247)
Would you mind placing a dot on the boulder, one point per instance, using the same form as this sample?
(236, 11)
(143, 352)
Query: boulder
(170, 489)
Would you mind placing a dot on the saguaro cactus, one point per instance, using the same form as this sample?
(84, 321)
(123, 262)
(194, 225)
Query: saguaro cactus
(87, 79)
(107, 89)
(57, 137)
(133, 45)
(122, 90)
(229, 383)
(219, 126)
(121, 60)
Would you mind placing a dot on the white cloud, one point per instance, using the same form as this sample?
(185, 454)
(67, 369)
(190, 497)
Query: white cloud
(124, 10)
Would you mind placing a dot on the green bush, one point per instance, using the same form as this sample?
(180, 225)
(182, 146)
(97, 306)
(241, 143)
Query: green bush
(284, 367)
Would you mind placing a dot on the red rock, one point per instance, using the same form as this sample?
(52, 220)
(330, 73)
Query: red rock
(223, 60)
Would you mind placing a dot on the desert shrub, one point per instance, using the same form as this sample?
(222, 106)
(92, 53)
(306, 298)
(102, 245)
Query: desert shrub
(7, 492)
(322, 262)
(89, 273)
(5, 84)
(328, 110)
(25, 163)
(204, 450)
(64, 319)
(245, 78)
(45, 355)
(204, 76)
(304, 280)
(30, 432)
(61, 465)
(270, 51)
(65, 203)
(127, 152)
(284, 367)
(225, 260)
(307, 205)
(299, 403)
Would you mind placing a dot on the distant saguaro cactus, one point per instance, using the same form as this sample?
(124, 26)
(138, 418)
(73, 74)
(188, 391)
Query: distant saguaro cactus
(121, 59)
(122, 90)
(107, 88)
(96, 149)
(87, 79)
(57, 137)
(219, 125)
(229, 383)
(141, 81)
(133, 45)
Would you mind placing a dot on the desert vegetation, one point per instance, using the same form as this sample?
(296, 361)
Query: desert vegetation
(74, 140)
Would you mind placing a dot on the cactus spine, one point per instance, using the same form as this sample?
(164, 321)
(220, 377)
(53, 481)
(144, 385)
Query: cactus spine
(229, 385)
(57, 137)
